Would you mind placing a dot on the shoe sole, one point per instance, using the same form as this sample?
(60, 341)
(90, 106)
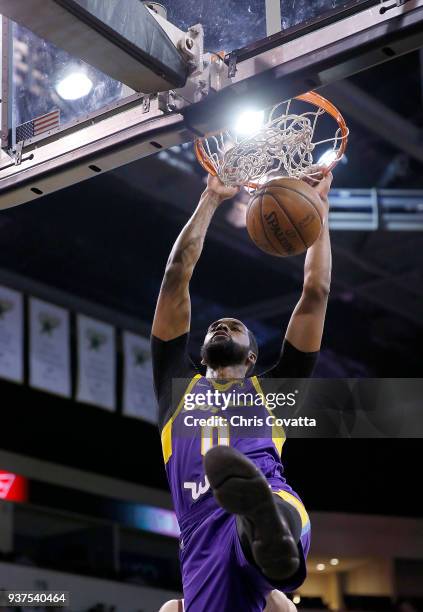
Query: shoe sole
(240, 488)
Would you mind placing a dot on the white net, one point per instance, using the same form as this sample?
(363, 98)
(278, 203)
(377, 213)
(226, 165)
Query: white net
(284, 146)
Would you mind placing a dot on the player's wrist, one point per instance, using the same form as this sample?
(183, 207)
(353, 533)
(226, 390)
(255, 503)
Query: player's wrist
(213, 197)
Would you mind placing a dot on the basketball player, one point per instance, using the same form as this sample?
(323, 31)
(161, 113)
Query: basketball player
(275, 602)
(244, 531)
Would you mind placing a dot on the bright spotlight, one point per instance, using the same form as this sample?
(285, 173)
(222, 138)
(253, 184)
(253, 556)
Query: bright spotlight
(296, 600)
(320, 567)
(75, 85)
(327, 158)
(334, 561)
(249, 122)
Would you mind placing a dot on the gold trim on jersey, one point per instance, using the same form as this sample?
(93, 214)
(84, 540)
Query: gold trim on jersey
(166, 435)
(278, 433)
(226, 386)
(294, 501)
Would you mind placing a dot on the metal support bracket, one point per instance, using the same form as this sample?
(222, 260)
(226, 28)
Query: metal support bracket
(16, 154)
(232, 66)
(387, 5)
(145, 104)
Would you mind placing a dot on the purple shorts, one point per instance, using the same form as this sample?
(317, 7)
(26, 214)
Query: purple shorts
(216, 575)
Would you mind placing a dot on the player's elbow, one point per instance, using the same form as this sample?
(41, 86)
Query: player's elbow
(316, 289)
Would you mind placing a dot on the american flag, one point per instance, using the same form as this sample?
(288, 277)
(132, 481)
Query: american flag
(37, 126)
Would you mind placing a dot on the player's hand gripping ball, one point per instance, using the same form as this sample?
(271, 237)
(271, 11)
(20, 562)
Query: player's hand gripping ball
(285, 216)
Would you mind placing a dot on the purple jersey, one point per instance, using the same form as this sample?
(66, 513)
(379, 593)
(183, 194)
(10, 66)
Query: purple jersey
(216, 575)
(185, 442)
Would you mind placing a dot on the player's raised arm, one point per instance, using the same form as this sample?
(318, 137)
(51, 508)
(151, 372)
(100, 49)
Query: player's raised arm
(173, 311)
(305, 327)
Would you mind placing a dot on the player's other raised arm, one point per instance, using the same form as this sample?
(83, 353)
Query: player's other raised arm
(305, 327)
(173, 311)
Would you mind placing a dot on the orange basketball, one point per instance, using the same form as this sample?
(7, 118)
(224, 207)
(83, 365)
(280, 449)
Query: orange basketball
(285, 217)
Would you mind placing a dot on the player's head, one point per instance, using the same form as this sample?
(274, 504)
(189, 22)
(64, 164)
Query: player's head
(229, 342)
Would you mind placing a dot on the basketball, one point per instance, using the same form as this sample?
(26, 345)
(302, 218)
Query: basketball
(285, 217)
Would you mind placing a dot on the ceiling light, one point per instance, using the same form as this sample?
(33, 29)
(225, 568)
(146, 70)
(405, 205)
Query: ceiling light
(249, 122)
(327, 158)
(74, 86)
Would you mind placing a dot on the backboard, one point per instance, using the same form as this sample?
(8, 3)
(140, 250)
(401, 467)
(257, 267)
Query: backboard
(272, 50)
(243, 23)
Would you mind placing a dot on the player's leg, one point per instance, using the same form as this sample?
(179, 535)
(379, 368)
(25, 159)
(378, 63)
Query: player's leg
(269, 530)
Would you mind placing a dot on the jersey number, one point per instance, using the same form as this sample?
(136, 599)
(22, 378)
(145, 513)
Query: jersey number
(210, 436)
(214, 436)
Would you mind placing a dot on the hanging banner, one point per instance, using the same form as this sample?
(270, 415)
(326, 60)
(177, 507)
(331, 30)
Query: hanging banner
(96, 363)
(138, 393)
(11, 335)
(49, 348)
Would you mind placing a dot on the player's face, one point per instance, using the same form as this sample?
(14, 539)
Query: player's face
(226, 343)
(228, 328)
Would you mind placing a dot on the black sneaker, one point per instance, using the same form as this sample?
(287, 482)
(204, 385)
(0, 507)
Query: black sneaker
(240, 488)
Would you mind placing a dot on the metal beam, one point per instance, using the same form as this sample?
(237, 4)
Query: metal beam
(376, 209)
(80, 155)
(61, 475)
(273, 17)
(377, 118)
